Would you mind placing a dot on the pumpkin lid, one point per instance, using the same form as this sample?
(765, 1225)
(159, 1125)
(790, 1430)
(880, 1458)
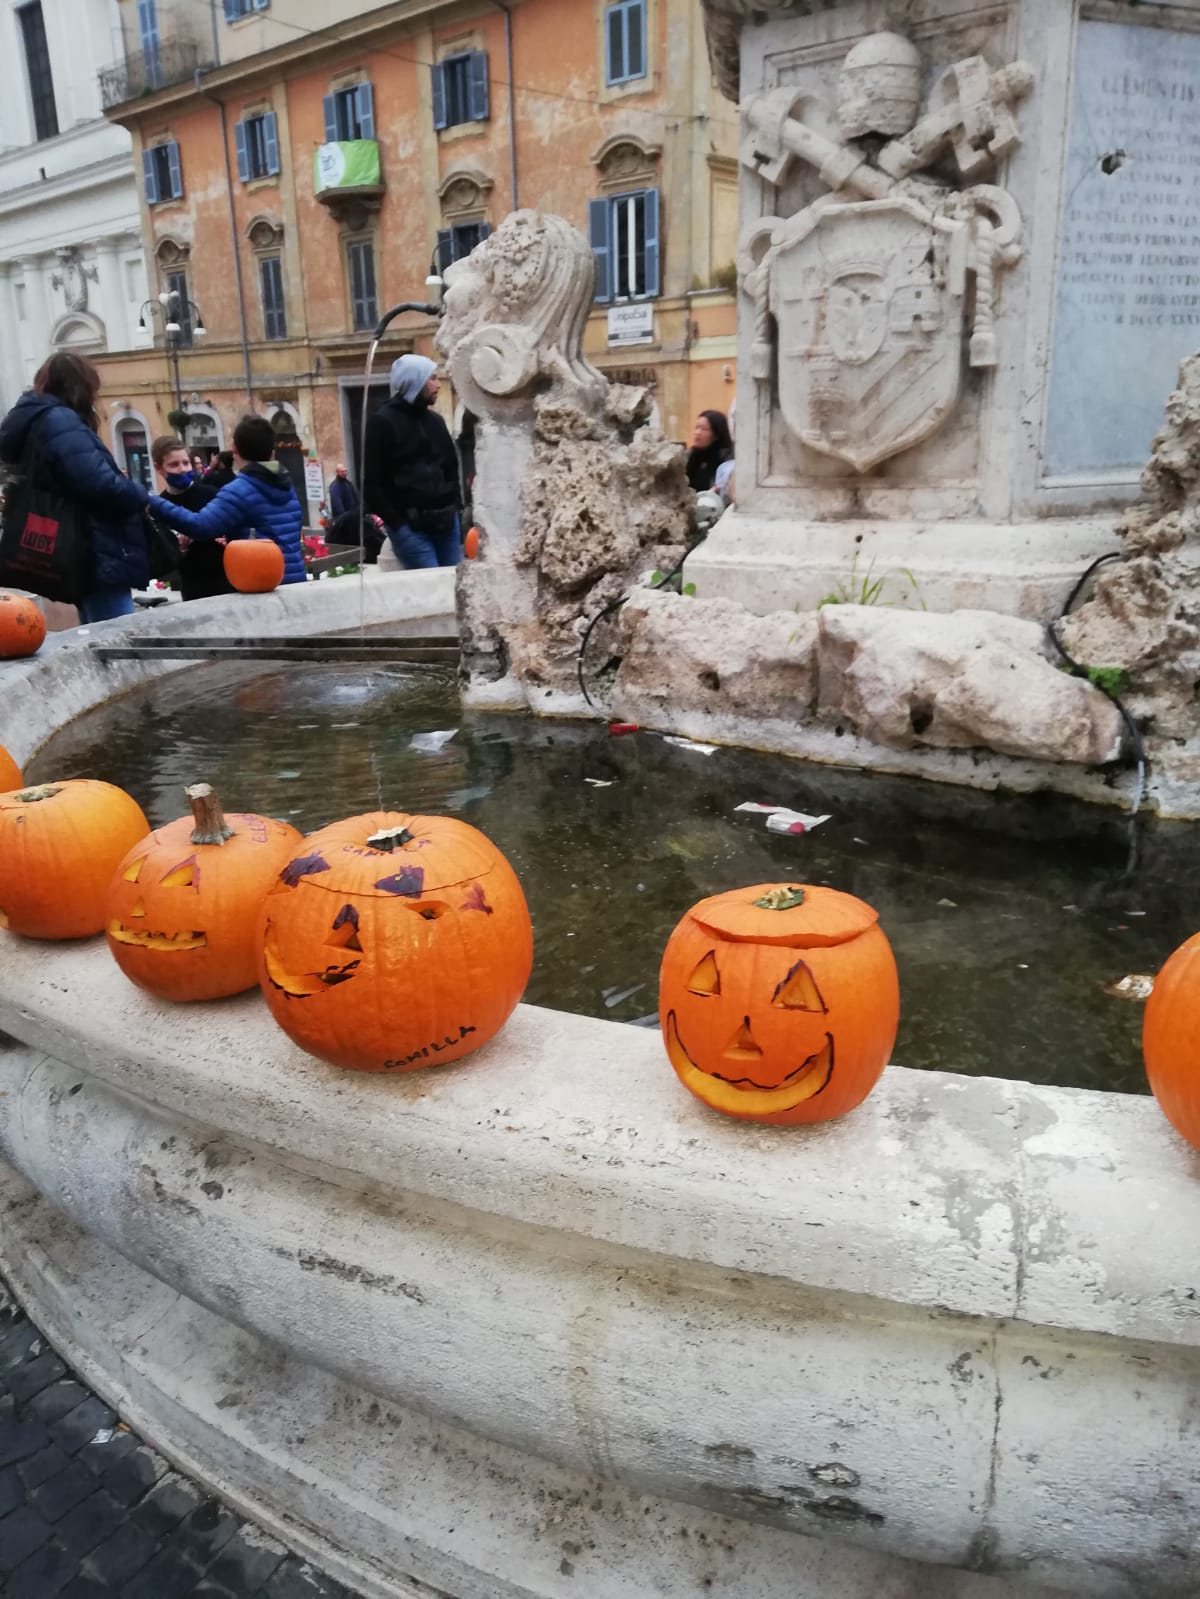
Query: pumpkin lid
(388, 852)
(789, 914)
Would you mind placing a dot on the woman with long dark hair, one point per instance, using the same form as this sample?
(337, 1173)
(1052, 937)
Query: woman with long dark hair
(712, 444)
(57, 420)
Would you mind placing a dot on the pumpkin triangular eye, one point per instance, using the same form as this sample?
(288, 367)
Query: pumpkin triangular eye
(134, 870)
(344, 934)
(799, 991)
(742, 1046)
(706, 979)
(181, 876)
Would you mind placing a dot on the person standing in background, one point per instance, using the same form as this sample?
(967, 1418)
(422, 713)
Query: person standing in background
(411, 476)
(712, 444)
(343, 496)
(201, 561)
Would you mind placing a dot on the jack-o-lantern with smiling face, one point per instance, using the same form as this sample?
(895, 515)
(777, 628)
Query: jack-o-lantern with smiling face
(392, 942)
(779, 1003)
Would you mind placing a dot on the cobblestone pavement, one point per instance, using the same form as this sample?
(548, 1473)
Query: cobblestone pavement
(88, 1511)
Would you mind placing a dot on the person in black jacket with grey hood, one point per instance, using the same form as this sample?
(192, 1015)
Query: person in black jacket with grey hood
(411, 478)
(57, 417)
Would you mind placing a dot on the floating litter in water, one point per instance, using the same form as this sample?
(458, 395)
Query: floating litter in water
(105, 1435)
(467, 796)
(600, 782)
(617, 728)
(1136, 987)
(689, 744)
(782, 820)
(948, 904)
(287, 776)
(614, 997)
(431, 743)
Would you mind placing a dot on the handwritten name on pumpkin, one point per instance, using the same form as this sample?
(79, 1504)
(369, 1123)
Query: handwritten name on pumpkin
(428, 1051)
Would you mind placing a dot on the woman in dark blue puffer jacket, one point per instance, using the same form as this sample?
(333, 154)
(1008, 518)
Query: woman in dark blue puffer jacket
(58, 418)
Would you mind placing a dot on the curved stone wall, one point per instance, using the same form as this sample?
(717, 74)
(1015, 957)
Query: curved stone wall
(539, 1324)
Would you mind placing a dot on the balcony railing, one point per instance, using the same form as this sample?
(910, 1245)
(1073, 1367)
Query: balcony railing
(170, 62)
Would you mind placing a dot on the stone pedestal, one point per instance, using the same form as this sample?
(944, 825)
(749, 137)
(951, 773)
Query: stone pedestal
(967, 279)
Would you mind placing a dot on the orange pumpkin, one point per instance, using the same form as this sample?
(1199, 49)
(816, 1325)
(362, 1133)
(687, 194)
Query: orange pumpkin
(182, 906)
(60, 844)
(1171, 1040)
(22, 626)
(10, 772)
(471, 543)
(779, 1003)
(254, 565)
(393, 942)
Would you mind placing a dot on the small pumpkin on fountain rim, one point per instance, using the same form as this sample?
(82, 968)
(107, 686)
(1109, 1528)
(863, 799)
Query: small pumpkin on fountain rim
(59, 846)
(393, 942)
(22, 626)
(1171, 1040)
(182, 906)
(254, 565)
(779, 1003)
(10, 772)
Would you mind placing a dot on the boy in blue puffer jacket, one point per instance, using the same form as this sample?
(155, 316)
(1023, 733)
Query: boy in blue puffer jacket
(260, 499)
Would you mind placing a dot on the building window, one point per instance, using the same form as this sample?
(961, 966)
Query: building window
(456, 242)
(147, 14)
(243, 8)
(460, 89)
(270, 275)
(364, 306)
(257, 140)
(180, 310)
(37, 62)
(349, 114)
(624, 234)
(625, 41)
(163, 172)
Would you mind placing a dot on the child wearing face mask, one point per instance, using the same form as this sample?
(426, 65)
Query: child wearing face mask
(202, 562)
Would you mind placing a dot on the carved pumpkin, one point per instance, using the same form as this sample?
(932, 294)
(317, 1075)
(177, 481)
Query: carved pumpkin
(22, 626)
(183, 905)
(254, 565)
(1171, 1040)
(10, 772)
(60, 844)
(393, 942)
(778, 1003)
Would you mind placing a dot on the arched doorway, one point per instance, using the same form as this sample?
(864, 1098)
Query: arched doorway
(289, 451)
(132, 437)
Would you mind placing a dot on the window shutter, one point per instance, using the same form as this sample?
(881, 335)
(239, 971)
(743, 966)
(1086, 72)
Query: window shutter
(233, 10)
(364, 106)
(445, 249)
(175, 169)
(614, 45)
(477, 86)
(485, 231)
(243, 151)
(600, 229)
(635, 39)
(439, 95)
(271, 143)
(151, 177)
(329, 108)
(652, 243)
(260, 5)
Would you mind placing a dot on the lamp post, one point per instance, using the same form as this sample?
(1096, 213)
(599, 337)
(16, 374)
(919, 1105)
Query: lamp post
(170, 307)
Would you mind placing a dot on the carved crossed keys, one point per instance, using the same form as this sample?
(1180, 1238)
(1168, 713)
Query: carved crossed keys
(883, 145)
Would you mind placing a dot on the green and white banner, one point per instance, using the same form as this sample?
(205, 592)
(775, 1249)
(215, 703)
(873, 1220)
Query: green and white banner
(350, 165)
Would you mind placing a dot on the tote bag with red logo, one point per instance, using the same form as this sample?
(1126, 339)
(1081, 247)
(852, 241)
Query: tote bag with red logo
(44, 545)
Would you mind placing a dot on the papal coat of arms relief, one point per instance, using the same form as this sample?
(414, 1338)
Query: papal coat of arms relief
(861, 298)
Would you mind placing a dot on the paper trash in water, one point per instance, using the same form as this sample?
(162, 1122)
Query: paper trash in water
(431, 743)
(781, 819)
(689, 744)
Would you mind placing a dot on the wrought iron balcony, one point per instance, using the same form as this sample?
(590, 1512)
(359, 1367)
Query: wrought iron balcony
(143, 72)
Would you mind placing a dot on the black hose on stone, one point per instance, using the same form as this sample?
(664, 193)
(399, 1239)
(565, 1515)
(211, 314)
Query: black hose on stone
(1134, 731)
(615, 605)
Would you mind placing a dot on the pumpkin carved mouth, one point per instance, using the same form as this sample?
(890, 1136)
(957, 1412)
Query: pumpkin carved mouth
(742, 1095)
(303, 985)
(144, 939)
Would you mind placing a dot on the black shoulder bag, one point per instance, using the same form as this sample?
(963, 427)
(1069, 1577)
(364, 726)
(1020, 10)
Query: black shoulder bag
(44, 536)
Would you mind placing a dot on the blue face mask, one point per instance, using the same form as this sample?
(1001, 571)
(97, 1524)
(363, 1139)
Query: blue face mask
(180, 480)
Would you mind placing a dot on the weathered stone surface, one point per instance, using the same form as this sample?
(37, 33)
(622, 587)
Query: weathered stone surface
(959, 680)
(1145, 615)
(681, 655)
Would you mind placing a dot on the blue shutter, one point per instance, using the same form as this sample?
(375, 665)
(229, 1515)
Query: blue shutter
(364, 107)
(445, 249)
(652, 243)
(260, 5)
(477, 86)
(439, 96)
(151, 177)
(243, 151)
(329, 108)
(233, 10)
(485, 232)
(600, 229)
(635, 39)
(175, 169)
(614, 45)
(271, 143)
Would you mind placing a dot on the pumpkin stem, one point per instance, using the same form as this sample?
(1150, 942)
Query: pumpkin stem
(211, 826)
(389, 839)
(781, 899)
(43, 791)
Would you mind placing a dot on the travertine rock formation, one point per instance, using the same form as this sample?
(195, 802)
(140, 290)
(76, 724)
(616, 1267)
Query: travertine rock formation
(1145, 615)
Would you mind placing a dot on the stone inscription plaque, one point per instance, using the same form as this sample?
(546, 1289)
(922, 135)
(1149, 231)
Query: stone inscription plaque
(1128, 301)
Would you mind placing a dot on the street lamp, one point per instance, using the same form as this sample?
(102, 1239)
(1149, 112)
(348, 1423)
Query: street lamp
(170, 307)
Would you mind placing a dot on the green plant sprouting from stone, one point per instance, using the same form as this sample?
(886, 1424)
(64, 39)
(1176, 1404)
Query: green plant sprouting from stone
(868, 589)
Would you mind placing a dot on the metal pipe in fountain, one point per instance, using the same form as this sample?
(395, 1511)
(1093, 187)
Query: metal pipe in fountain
(428, 308)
